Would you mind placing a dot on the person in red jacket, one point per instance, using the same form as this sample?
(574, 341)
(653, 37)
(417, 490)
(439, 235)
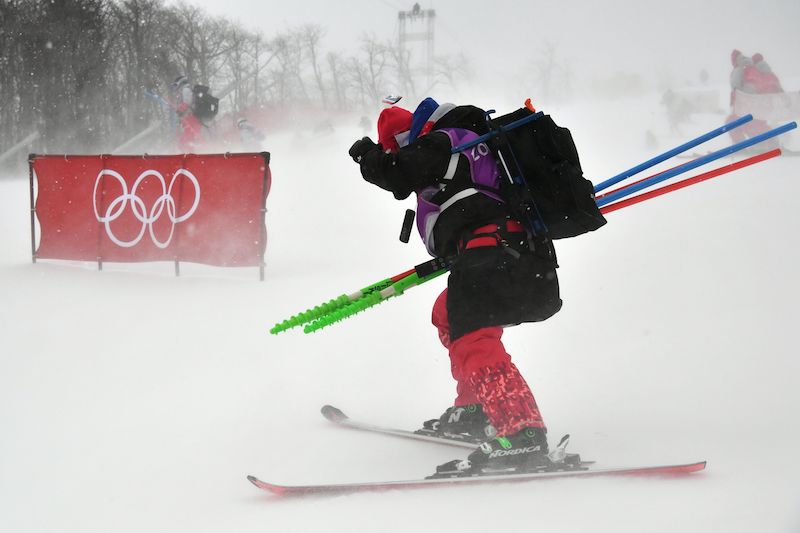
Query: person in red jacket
(760, 76)
(190, 135)
(752, 76)
(500, 275)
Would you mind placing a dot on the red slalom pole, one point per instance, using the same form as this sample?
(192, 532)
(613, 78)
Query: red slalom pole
(402, 275)
(691, 181)
(597, 197)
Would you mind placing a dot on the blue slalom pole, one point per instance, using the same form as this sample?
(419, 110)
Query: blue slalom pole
(675, 151)
(614, 196)
(487, 136)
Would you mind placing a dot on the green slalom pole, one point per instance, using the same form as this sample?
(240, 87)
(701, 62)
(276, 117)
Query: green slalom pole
(370, 300)
(319, 311)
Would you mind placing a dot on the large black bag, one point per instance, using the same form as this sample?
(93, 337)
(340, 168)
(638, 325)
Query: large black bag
(204, 105)
(553, 190)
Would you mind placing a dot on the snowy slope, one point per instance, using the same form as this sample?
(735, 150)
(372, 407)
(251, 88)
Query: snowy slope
(134, 401)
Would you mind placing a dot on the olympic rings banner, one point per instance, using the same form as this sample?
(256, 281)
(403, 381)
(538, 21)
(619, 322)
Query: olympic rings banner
(198, 208)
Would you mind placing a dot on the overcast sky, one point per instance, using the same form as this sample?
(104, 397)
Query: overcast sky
(644, 36)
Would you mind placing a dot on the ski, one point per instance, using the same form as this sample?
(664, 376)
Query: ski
(333, 488)
(336, 416)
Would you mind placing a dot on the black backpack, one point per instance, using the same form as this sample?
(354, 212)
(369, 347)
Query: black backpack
(204, 106)
(547, 185)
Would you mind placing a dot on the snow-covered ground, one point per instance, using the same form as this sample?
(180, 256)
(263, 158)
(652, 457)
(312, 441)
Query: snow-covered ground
(131, 400)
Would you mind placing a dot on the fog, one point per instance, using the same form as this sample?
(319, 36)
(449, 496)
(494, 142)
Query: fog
(663, 42)
(132, 400)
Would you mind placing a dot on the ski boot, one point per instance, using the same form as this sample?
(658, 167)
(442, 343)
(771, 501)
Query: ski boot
(466, 423)
(523, 452)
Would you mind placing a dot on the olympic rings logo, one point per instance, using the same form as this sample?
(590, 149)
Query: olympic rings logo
(166, 200)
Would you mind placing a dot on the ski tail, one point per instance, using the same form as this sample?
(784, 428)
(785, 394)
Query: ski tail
(334, 414)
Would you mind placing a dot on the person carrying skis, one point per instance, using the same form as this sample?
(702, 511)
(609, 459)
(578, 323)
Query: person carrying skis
(185, 126)
(500, 275)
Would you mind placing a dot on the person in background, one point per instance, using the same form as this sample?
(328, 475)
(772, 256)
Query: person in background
(181, 91)
(250, 138)
(751, 76)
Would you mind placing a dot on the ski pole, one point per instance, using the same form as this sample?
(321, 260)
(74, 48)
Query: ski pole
(165, 104)
(396, 286)
(603, 195)
(691, 181)
(675, 151)
(370, 300)
(323, 309)
(621, 193)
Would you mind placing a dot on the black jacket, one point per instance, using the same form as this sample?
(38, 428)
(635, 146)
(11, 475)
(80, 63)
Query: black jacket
(424, 163)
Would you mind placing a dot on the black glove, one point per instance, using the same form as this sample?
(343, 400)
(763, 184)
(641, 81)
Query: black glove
(361, 147)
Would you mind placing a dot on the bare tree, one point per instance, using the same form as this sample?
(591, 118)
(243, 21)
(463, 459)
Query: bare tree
(238, 64)
(451, 70)
(311, 35)
(336, 66)
(77, 71)
(402, 62)
(372, 78)
(551, 73)
(287, 78)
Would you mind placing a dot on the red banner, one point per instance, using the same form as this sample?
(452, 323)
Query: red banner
(199, 208)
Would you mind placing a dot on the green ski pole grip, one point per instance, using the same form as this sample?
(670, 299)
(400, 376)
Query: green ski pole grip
(321, 310)
(370, 300)
(347, 311)
(311, 314)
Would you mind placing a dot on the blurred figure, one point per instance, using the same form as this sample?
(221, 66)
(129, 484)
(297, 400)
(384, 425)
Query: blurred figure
(679, 110)
(761, 77)
(184, 125)
(750, 76)
(365, 125)
(324, 128)
(249, 136)
(194, 107)
(181, 91)
(190, 133)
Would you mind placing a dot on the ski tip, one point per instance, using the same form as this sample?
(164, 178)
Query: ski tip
(691, 467)
(269, 487)
(333, 414)
(686, 468)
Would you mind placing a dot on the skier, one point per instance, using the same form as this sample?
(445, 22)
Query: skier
(499, 274)
(250, 138)
(752, 76)
(190, 134)
(185, 126)
(761, 77)
(181, 91)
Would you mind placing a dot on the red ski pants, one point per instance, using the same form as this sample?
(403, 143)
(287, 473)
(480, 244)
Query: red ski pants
(484, 374)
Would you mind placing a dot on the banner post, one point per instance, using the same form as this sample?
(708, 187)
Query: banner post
(99, 253)
(33, 208)
(265, 192)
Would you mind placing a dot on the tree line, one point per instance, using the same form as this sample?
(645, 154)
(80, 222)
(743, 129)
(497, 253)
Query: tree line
(76, 72)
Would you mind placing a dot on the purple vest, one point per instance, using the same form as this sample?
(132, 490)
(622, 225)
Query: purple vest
(482, 169)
